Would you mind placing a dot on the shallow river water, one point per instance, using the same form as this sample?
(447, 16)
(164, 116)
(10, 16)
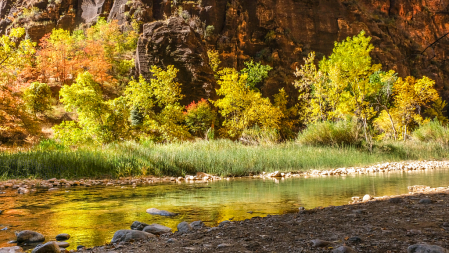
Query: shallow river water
(92, 215)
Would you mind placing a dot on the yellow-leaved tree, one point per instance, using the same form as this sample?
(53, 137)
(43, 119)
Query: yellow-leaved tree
(243, 107)
(410, 95)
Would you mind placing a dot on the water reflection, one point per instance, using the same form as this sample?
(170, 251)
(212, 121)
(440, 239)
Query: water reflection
(92, 215)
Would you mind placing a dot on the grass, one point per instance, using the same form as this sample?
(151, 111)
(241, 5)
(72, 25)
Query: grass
(220, 157)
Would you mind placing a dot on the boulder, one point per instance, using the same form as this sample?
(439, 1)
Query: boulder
(49, 247)
(197, 224)
(62, 237)
(28, 236)
(174, 42)
(425, 248)
(367, 197)
(128, 235)
(155, 211)
(184, 227)
(15, 249)
(157, 229)
(137, 225)
(344, 249)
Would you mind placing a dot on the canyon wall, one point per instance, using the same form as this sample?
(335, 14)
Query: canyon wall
(277, 32)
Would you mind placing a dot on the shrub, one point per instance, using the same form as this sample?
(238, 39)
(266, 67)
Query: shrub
(209, 31)
(342, 132)
(433, 131)
(260, 136)
(200, 117)
(37, 98)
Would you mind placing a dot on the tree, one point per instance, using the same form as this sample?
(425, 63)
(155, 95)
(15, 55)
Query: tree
(37, 98)
(200, 117)
(158, 101)
(243, 107)
(102, 121)
(16, 53)
(256, 73)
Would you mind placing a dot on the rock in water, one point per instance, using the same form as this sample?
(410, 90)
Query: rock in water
(1, 211)
(184, 227)
(62, 237)
(344, 249)
(29, 236)
(174, 42)
(15, 249)
(49, 247)
(157, 229)
(63, 244)
(425, 248)
(127, 235)
(137, 225)
(155, 211)
(197, 224)
(23, 190)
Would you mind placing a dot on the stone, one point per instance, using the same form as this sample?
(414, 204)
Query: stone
(197, 224)
(1, 211)
(128, 235)
(171, 240)
(224, 245)
(49, 247)
(425, 201)
(174, 42)
(22, 190)
(15, 249)
(157, 229)
(224, 223)
(355, 239)
(367, 197)
(137, 225)
(79, 247)
(184, 227)
(320, 243)
(395, 200)
(63, 244)
(62, 237)
(155, 211)
(344, 249)
(28, 236)
(425, 248)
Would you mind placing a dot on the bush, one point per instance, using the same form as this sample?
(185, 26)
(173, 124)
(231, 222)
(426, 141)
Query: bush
(343, 132)
(260, 136)
(37, 98)
(434, 132)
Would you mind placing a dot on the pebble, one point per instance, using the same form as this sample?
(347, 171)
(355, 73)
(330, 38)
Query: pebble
(320, 243)
(355, 239)
(224, 223)
(224, 245)
(344, 249)
(425, 201)
(426, 248)
(367, 197)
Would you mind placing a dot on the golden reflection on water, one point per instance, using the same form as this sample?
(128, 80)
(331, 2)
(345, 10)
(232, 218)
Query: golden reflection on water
(92, 215)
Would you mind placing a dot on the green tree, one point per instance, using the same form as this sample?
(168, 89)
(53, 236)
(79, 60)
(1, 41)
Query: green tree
(158, 101)
(38, 98)
(256, 73)
(200, 117)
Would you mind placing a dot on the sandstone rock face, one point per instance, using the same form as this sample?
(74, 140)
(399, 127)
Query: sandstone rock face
(277, 32)
(174, 42)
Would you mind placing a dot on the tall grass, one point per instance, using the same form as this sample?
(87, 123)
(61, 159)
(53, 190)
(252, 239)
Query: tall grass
(434, 132)
(220, 157)
(327, 133)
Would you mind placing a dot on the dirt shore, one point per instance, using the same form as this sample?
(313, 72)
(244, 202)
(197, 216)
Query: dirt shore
(390, 224)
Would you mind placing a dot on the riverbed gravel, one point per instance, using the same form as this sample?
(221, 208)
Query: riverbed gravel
(388, 224)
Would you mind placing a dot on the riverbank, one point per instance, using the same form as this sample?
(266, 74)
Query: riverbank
(222, 158)
(388, 224)
(25, 186)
